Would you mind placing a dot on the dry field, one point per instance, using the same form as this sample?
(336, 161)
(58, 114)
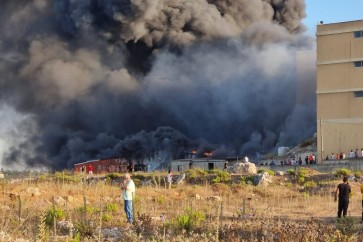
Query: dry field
(61, 207)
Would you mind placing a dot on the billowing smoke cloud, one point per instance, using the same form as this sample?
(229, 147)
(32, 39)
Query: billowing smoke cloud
(149, 80)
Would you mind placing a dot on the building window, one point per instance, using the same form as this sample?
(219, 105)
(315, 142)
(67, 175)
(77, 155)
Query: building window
(358, 94)
(358, 34)
(358, 63)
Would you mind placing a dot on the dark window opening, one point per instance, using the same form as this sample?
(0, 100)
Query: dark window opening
(210, 166)
(358, 94)
(358, 63)
(358, 34)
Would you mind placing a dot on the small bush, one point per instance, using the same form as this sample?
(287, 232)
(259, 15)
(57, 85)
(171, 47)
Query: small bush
(270, 172)
(300, 179)
(88, 209)
(347, 226)
(342, 172)
(84, 229)
(222, 176)
(247, 180)
(291, 172)
(112, 207)
(310, 184)
(113, 176)
(288, 184)
(197, 172)
(189, 219)
(43, 178)
(303, 172)
(54, 214)
(107, 217)
(201, 171)
(66, 177)
(357, 174)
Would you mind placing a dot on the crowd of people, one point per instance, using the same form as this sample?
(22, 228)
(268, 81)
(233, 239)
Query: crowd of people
(309, 159)
(342, 156)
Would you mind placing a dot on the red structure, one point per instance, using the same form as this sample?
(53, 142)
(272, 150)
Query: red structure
(103, 166)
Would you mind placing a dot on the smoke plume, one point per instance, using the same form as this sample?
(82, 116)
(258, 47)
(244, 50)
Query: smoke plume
(150, 80)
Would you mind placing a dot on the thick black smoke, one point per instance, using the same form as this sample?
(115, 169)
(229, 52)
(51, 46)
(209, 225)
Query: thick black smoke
(151, 79)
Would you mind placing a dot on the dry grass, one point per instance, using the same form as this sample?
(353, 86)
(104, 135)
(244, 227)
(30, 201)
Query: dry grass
(280, 212)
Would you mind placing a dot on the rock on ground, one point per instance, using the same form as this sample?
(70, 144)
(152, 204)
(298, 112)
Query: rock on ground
(247, 168)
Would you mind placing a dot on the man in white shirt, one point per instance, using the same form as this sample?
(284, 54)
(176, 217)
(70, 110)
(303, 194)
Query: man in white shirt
(351, 154)
(128, 194)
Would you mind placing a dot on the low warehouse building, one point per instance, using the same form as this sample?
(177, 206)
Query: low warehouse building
(204, 164)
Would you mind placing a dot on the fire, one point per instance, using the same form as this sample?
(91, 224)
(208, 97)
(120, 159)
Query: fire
(208, 154)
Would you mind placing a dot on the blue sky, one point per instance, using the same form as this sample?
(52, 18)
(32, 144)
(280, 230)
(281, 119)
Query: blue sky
(331, 11)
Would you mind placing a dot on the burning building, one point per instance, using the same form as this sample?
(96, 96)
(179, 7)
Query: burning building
(206, 164)
(101, 166)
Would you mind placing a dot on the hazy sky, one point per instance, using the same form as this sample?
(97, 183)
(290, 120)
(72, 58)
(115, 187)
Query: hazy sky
(331, 11)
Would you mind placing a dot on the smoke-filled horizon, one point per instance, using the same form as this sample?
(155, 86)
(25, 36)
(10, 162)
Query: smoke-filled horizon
(150, 80)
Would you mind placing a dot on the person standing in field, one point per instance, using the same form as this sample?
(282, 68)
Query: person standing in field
(128, 194)
(343, 190)
(90, 170)
(169, 179)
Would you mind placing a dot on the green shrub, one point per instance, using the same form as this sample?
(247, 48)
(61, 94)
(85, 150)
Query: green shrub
(112, 207)
(43, 178)
(301, 174)
(84, 229)
(189, 219)
(191, 174)
(222, 176)
(76, 238)
(270, 172)
(66, 177)
(113, 176)
(291, 172)
(197, 172)
(201, 171)
(247, 180)
(54, 214)
(302, 171)
(310, 184)
(107, 217)
(300, 179)
(347, 226)
(88, 209)
(357, 174)
(342, 172)
(288, 184)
